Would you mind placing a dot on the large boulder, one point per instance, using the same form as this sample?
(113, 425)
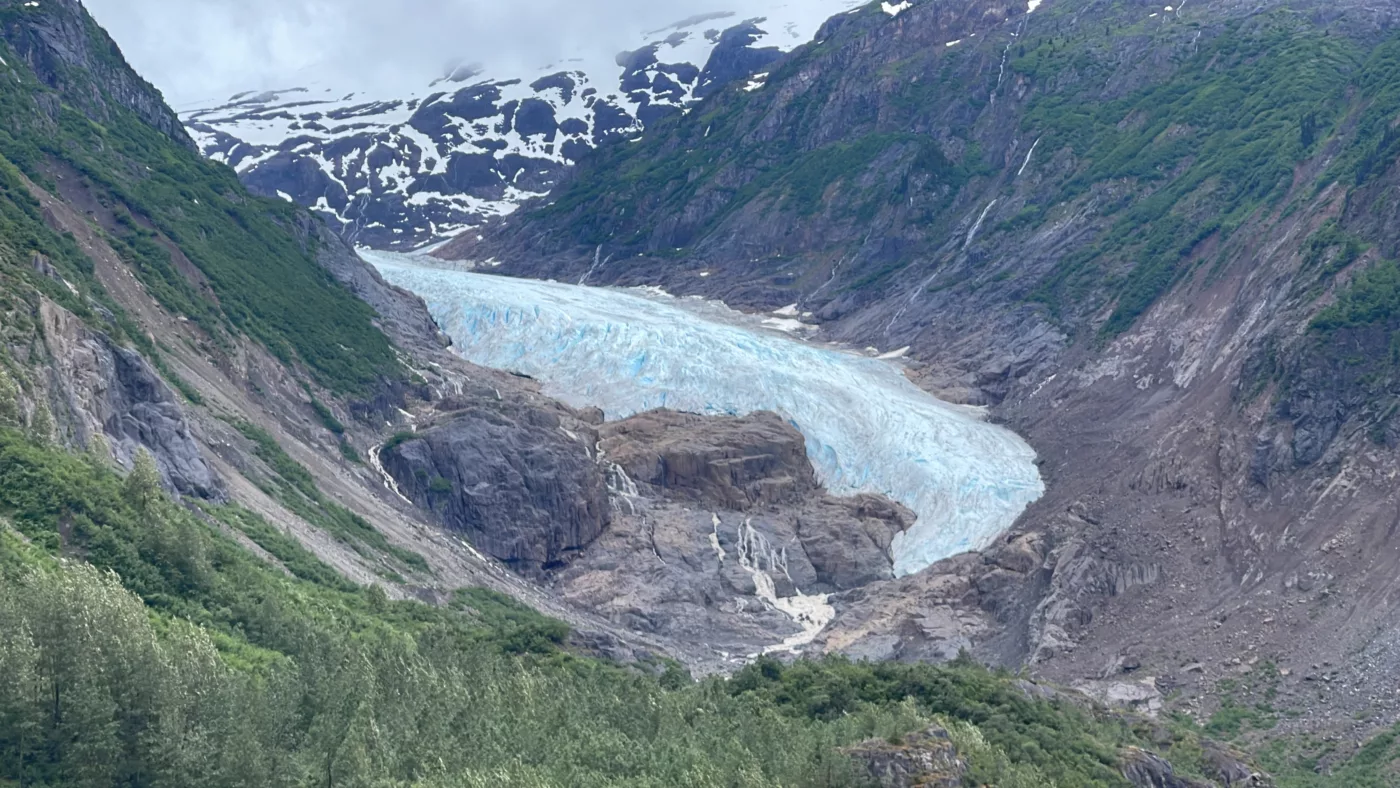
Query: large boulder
(511, 478)
(727, 463)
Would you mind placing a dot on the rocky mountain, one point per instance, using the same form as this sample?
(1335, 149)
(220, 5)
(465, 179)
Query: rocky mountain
(1158, 242)
(258, 523)
(401, 171)
(145, 301)
(154, 307)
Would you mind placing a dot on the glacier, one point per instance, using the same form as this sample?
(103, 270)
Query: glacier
(868, 429)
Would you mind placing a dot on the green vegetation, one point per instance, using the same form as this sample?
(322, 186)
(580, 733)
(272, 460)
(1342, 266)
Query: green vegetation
(328, 419)
(252, 261)
(1296, 764)
(1328, 252)
(295, 487)
(140, 645)
(1208, 149)
(1371, 299)
(1057, 741)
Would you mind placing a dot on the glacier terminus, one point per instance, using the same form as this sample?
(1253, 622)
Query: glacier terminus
(867, 427)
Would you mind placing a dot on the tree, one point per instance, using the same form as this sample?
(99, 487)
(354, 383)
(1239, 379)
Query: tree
(1308, 130)
(143, 483)
(19, 695)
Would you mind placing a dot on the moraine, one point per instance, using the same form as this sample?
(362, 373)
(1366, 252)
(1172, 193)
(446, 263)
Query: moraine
(868, 429)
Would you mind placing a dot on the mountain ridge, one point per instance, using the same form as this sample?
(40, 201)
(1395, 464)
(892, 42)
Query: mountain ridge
(404, 171)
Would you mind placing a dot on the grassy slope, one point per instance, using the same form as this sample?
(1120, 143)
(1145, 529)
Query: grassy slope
(262, 276)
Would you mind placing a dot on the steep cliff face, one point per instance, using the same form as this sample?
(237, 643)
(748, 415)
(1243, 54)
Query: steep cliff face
(1157, 242)
(511, 479)
(68, 52)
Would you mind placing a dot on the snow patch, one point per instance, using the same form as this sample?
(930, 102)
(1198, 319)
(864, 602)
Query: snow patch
(896, 10)
(788, 325)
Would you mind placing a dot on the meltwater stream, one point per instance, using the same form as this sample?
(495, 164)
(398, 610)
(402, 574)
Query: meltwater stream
(868, 429)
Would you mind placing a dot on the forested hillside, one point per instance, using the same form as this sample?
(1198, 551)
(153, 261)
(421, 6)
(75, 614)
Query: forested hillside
(141, 645)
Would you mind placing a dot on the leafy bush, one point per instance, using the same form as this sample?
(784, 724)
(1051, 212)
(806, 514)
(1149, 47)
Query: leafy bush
(1372, 298)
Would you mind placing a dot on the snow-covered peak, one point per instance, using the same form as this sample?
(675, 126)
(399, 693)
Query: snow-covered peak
(400, 169)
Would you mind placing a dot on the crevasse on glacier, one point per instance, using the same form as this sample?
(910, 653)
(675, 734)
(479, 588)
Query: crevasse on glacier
(868, 429)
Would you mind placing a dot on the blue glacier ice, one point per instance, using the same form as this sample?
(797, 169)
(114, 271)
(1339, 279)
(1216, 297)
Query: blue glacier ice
(868, 429)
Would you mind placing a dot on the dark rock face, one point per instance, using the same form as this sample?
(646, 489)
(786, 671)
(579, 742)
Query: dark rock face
(847, 540)
(144, 412)
(1145, 770)
(926, 759)
(507, 478)
(105, 390)
(734, 58)
(60, 42)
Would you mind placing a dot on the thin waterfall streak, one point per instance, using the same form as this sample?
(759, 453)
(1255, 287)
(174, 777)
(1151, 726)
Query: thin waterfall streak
(1028, 159)
(597, 258)
(971, 236)
(1005, 55)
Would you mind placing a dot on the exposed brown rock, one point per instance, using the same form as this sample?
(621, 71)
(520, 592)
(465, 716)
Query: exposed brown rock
(730, 463)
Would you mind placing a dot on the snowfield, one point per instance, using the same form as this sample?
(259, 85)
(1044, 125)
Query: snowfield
(415, 167)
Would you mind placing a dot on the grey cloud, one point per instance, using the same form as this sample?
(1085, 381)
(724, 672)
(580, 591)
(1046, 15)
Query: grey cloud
(197, 50)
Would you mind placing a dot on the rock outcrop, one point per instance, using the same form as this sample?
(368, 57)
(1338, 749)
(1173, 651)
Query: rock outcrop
(733, 464)
(69, 52)
(977, 603)
(511, 478)
(99, 389)
(716, 518)
(1147, 770)
(927, 759)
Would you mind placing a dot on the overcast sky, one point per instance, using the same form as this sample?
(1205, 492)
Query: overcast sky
(196, 50)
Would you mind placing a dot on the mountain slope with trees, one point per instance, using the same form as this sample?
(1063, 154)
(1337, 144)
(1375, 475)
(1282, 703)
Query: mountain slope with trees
(1159, 243)
(203, 581)
(200, 582)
